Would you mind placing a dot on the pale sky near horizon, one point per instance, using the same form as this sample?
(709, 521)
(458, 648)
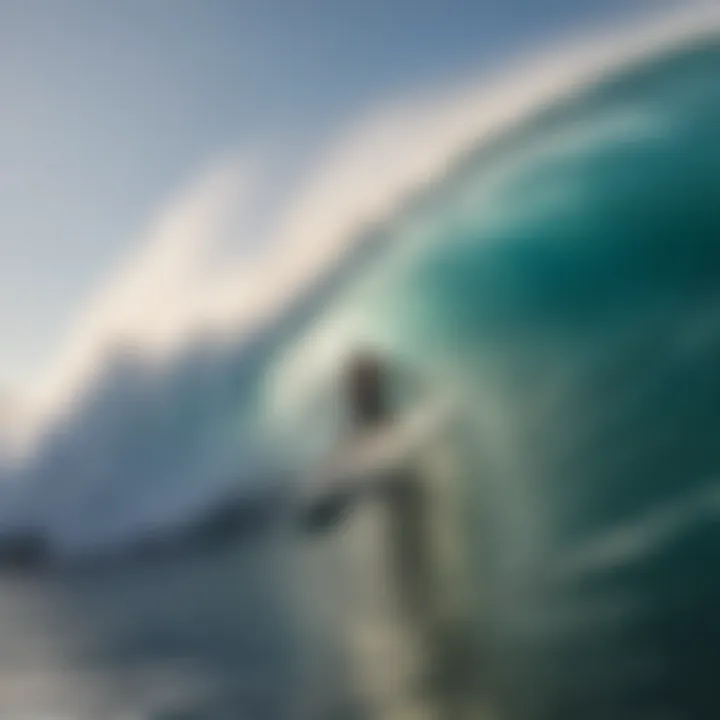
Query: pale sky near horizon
(108, 108)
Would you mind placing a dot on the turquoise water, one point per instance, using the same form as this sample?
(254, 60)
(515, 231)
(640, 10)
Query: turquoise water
(562, 283)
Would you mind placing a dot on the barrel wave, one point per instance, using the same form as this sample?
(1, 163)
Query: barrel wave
(560, 283)
(563, 284)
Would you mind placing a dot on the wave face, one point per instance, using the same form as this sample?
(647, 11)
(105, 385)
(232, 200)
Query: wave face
(564, 283)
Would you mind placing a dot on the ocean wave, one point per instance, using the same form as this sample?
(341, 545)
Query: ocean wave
(505, 237)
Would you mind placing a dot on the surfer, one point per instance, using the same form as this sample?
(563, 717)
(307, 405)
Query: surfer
(366, 388)
(403, 495)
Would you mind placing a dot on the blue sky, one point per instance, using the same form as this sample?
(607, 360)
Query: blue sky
(109, 107)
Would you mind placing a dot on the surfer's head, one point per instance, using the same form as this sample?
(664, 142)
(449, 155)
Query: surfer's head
(365, 376)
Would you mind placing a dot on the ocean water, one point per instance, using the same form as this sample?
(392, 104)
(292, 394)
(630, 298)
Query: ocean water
(201, 635)
(560, 286)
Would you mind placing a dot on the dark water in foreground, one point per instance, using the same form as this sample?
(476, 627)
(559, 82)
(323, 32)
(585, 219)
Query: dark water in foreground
(257, 629)
(198, 636)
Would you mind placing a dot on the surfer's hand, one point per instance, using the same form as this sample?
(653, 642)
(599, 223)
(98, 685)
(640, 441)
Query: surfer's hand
(324, 514)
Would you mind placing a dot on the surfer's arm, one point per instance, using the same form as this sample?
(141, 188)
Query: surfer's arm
(325, 510)
(332, 494)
